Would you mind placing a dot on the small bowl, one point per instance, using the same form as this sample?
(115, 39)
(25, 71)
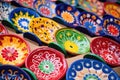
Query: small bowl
(72, 41)
(44, 29)
(68, 14)
(46, 8)
(3, 30)
(112, 9)
(20, 18)
(87, 69)
(47, 63)
(91, 22)
(14, 50)
(9, 72)
(108, 49)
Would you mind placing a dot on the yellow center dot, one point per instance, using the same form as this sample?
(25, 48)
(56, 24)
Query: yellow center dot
(68, 34)
(78, 38)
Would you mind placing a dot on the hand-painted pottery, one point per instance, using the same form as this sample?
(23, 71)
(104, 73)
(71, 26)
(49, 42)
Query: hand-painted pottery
(8, 72)
(108, 49)
(46, 8)
(87, 69)
(13, 50)
(91, 22)
(70, 2)
(5, 9)
(21, 17)
(67, 14)
(112, 9)
(47, 63)
(3, 30)
(73, 41)
(44, 29)
(94, 6)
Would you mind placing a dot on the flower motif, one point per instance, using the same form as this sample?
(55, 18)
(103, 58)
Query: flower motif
(91, 77)
(23, 23)
(45, 11)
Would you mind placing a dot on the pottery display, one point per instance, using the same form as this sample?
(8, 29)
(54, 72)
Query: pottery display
(73, 41)
(3, 30)
(87, 69)
(47, 63)
(108, 49)
(13, 50)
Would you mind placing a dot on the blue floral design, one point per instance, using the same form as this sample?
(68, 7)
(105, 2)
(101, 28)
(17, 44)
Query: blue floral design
(91, 77)
(23, 23)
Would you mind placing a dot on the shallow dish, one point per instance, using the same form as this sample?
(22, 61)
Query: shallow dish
(3, 30)
(91, 22)
(108, 49)
(73, 41)
(20, 18)
(47, 63)
(14, 50)
(87, 69)
(9, 72)
(112, 9)
(44, 29)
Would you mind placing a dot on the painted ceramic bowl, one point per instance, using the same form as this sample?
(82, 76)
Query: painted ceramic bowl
(20, 18)
(94, 6)
(112, 9)
(14, 50)
(73, 41)
(46, 8)
(8, 72)
(44, 29)
(108, 49)
(3, 30)
(5, 9)
(47, 63)
(87, 69)
(67, 14)
(91, 22)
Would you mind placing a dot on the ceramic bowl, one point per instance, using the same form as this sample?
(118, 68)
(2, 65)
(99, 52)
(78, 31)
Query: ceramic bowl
(46, 8)
(73, 41)
(20, 18)
(108, 49)
(112, 9)
(3, 30)
(44, 29)
(68, 14)
(94, 6)
(91, 22)
(87, 69)
(14, 50)
(9, 72)
(47, 63)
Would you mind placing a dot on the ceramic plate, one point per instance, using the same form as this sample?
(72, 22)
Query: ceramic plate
(47, 63)
(13, 50)
(68, 14)
(8, 72)
(73, 41)
(3, 30)
(112, 9)
(94, 6)
(46, 8)
(108, 49)
(91, 22)
(44, 29)
(87, 69)
(5, 9)
(20, 17)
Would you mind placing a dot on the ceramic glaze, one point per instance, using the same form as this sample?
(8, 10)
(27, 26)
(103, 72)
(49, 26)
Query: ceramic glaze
(3, 30)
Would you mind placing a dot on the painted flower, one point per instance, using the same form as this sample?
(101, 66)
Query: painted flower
(112, 30)
(45, 11)
(9, 54)
(23, 23)
(91, 77)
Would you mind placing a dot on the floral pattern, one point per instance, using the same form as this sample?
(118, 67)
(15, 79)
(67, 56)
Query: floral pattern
(45, 11)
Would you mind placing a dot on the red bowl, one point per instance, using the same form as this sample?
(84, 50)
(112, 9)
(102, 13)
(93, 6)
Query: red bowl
(47, 63)
(108, 49)
(3, 30)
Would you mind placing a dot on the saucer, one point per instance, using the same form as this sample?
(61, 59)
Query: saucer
(47, 63)
(44, 29)
(9, 72)
(14, 50)
(91, 22)
(72, 41)
(3, 30)
(20, 18)
(108, 49)
(87, 69)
